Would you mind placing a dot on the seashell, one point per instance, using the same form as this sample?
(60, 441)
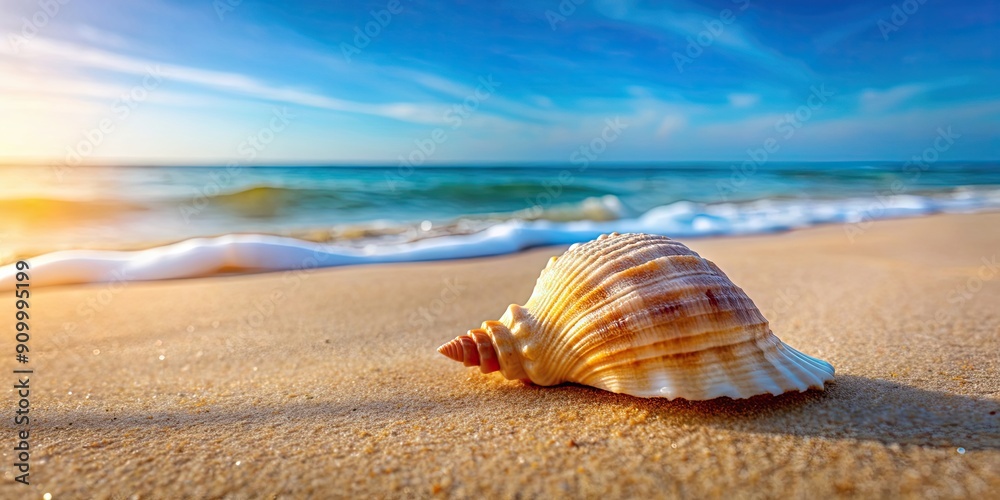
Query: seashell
(643, 315)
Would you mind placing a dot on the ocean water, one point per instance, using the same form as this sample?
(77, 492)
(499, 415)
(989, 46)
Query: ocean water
(391, 213)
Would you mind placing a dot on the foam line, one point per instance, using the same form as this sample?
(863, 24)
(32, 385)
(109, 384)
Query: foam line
(249, 252)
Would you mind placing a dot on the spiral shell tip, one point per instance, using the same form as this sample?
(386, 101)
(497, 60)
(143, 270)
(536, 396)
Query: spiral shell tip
(453, 350)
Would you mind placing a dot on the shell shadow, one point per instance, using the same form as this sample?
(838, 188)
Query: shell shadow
(851, 407)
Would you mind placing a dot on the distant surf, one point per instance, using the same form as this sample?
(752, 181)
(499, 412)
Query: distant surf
(486, 236)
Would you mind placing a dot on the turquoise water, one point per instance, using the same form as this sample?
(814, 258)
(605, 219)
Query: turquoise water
(132, 205)
(334, 194)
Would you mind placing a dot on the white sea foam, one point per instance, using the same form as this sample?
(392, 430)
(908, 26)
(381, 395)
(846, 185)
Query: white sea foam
(249, 253)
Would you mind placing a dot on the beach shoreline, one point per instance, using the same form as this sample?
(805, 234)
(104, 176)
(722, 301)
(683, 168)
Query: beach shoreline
(326, 382)
(131, 208)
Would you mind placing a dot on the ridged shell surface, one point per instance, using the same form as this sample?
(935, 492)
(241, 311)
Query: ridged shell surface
(645, 315)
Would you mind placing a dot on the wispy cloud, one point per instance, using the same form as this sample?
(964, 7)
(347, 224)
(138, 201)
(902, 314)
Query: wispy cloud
(727, 34)
(740, 100)
(610, 58)
(670, 124)
(875, 101)
(63, 53)
(872, 100)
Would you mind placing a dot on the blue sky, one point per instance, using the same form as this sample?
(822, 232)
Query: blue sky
(190, 81)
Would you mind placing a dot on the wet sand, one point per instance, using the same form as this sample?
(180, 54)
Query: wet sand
(327, 383)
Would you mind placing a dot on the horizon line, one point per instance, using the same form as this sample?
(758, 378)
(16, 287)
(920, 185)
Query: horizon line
(457, 163)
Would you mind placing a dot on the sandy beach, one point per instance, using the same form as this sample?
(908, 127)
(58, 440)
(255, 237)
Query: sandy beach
(326, 383)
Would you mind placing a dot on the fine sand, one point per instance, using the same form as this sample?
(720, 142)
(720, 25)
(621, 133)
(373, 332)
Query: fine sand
(328, 384)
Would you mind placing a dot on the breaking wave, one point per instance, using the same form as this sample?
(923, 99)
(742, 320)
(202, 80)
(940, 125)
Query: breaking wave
(552, 226)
